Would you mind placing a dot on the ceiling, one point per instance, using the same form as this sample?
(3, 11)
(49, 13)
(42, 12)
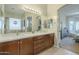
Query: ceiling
(70, 9)
(14, 8)
(19, 8)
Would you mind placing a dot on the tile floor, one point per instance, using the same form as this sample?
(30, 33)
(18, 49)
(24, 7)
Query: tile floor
(57, 51)
(70, 44)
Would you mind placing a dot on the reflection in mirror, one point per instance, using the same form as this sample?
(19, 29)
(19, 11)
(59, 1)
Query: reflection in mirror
(23, 26)
(13, 15)
(39, 23)
(1, 20)
(50, 23)
(29, 24)
(1, 24)
(45, 23)
(14, 25)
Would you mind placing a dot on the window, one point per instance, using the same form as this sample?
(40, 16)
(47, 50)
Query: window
(71, 26)
(1, 23)
(50, 23)
(14, 24)
(77, 26)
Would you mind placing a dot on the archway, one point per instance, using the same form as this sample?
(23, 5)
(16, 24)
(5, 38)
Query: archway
(69, 27)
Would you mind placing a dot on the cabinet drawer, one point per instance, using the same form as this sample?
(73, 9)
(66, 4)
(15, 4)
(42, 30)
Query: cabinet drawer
(39, 41)
(1, 45)
(39, 45)
(39, 48)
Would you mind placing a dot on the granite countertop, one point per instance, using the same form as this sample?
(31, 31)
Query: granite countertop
(14, 36)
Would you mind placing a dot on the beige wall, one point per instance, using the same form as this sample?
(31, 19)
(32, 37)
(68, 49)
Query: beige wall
(52, 10)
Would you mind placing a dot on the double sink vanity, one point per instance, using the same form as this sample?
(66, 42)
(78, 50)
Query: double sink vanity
(25, 43)
(24, 32)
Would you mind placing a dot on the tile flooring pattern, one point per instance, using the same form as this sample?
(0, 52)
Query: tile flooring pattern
(70, 44)
(57, 51)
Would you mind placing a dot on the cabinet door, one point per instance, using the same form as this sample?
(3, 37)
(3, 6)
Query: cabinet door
(26, 46)
(46, 38)
(51, 40)
(11, 48)
(1, 50)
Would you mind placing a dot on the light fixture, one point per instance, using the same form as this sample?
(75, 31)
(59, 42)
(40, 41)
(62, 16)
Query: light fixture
(28, 9)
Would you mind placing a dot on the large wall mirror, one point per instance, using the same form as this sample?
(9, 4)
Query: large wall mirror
(18, 20)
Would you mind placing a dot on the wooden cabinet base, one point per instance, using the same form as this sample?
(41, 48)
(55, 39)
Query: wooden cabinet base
(42, 43)
(27, 46)
(10, 48)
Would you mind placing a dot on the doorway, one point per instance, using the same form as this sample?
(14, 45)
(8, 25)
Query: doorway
(69, 27)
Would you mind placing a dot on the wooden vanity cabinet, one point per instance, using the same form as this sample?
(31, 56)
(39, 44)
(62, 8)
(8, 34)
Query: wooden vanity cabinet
(51, 40)
(17, 47)
(38, 44)
(10, 48)
(43, 42)
(26, 46)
